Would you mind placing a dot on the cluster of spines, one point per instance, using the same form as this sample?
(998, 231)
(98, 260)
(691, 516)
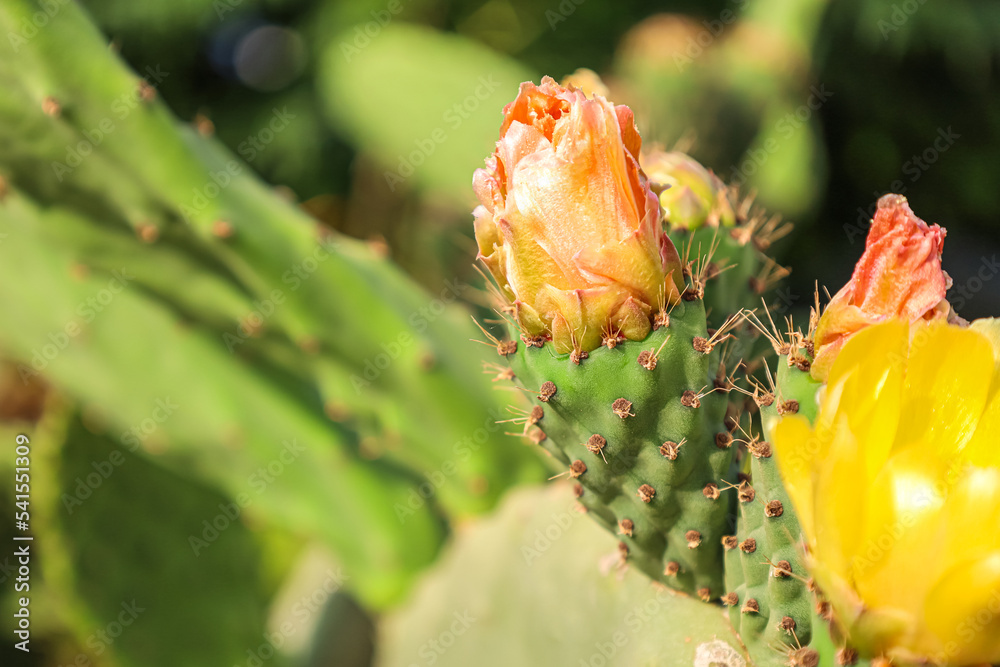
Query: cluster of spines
(734, 258)
(768, 593)
(792, 391)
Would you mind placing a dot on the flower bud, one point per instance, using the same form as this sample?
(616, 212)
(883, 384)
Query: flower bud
(568, 225)
(690, 195)
(899, 275)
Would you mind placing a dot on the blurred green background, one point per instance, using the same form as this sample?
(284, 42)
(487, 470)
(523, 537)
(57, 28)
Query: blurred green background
(896, 74)
(892, 76)
(367, 118)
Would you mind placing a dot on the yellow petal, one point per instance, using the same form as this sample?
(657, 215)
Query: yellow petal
(879, 630)
(631, 319)
(839, 507)
(624, 262)
(903, 537)
(527, 264)
(528, 319)
(948, 376)
(989, 327)
(984, 447)
(840, 321)
(973, 515)
(584, 311)
(866, 384)
(869, 351)
(963, 612)
(485, 228)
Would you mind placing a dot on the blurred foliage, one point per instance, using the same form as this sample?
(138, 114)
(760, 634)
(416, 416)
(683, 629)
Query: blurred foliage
(200, 605)
(204, 323)
(817, 107)
(725, 77)
(533, 571)
(439, 147)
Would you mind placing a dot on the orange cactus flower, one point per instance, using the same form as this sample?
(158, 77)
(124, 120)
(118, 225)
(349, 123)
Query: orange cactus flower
(899, 275)
(568, 225)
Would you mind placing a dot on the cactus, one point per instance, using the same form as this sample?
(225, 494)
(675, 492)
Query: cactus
(120, 553)
(769, 595)
(630, 385)
(646, 442)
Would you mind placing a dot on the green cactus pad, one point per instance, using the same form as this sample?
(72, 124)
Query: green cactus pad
(783, 624)
(770, 604)
(640, 426)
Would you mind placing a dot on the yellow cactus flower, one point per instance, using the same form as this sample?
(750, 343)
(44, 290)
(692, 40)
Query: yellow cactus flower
(568, 224)
(897, 487)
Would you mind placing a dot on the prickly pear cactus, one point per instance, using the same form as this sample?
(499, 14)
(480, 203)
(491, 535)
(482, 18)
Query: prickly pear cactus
(641, 428)
(609, 329)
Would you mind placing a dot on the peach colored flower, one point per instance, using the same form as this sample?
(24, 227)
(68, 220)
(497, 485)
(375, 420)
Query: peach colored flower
(899, 275)
(568, 225)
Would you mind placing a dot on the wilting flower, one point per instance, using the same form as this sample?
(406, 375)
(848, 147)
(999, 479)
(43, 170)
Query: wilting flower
(569, 226)
(897, 487)
(899, 275)
(690, 195)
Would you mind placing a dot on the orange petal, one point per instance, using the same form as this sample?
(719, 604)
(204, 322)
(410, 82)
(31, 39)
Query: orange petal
(898, 275)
